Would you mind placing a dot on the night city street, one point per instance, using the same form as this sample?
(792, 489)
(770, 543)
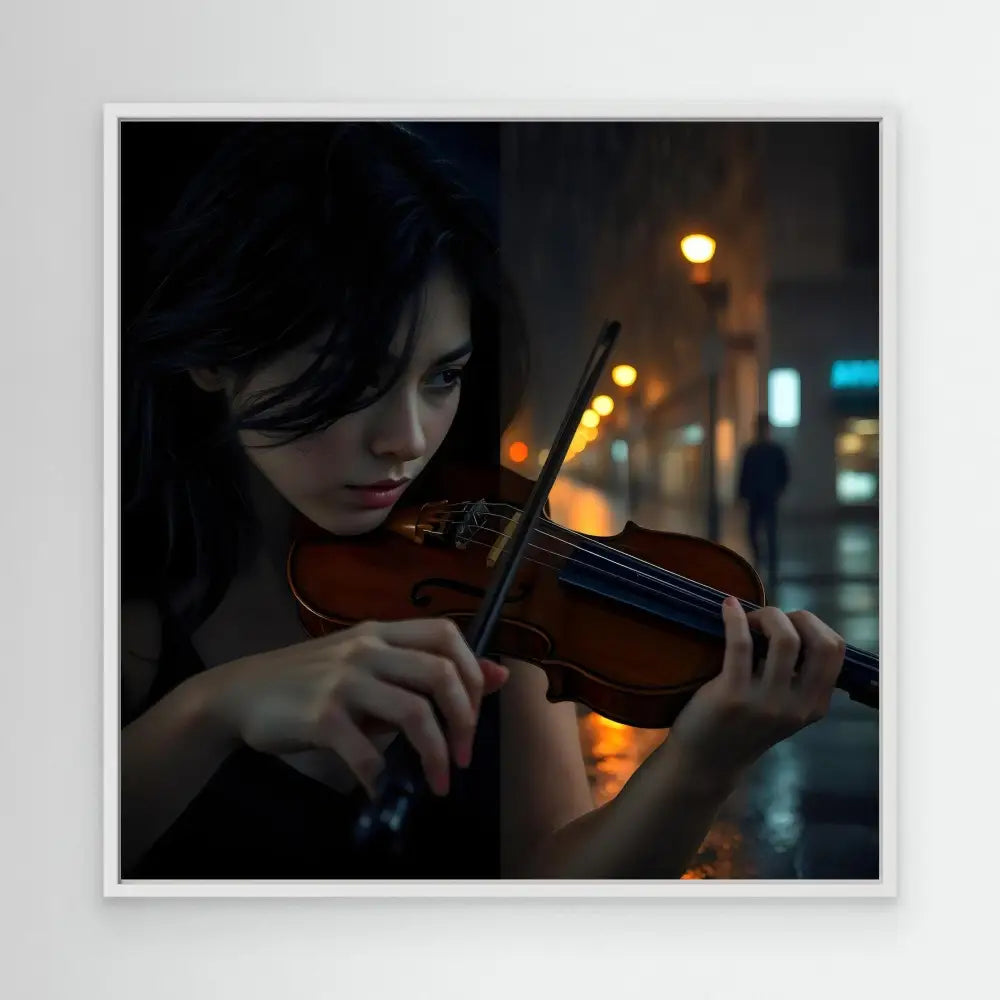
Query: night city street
(809, 808)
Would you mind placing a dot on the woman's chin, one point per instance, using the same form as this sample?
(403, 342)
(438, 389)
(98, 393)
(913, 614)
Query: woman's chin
(349, 521)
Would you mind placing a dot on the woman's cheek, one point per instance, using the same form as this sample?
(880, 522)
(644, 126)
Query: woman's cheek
(442, 419)
(294, 468)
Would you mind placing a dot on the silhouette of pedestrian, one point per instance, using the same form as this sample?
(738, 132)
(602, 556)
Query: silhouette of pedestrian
(763, 478)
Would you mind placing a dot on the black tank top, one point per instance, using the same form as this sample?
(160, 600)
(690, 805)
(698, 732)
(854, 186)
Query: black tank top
(260, 818)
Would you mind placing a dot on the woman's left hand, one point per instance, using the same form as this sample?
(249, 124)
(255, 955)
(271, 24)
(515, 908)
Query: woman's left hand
(733, 719)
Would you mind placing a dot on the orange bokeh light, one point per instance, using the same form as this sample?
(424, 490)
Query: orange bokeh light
(518, 451)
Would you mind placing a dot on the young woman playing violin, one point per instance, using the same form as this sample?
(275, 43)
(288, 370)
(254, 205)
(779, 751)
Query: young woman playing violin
(324, 320)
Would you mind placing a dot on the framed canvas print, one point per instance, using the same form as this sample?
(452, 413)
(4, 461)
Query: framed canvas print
(499, 503)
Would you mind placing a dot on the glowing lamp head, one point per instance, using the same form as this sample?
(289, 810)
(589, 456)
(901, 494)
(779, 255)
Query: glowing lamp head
(623, 375)
(698, 248)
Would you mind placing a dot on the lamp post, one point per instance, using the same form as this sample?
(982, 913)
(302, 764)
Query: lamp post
(699, 249)
(624, 376)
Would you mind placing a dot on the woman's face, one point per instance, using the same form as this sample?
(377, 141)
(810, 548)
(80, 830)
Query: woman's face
(324, 475)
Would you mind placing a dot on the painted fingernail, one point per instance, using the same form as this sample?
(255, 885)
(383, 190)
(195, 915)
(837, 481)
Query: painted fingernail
(438, 780)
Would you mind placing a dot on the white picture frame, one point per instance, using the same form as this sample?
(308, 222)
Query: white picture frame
(886, 885)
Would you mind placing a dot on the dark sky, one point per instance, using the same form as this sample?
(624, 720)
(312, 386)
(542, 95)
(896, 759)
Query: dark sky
(861, 194)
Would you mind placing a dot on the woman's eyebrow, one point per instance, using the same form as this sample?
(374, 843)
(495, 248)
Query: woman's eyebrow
(459, 352)
(454, 355)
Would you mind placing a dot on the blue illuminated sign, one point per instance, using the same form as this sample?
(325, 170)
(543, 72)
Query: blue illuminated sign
(854, 375)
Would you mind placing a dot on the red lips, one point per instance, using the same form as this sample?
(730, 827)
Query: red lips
(381, 494)
(382, 484)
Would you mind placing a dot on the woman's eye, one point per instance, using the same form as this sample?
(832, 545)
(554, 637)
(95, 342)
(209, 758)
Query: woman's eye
(445, 380)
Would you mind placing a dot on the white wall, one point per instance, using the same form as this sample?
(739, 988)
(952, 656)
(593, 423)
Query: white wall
(60, 61)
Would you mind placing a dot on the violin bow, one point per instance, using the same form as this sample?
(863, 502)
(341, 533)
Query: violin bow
(381, 824)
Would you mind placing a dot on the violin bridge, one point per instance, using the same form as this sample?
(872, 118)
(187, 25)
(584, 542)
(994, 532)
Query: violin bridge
(472, 520)
(502, 540)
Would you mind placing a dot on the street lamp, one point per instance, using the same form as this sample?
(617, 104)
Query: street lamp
(624, 376)
(699, 249)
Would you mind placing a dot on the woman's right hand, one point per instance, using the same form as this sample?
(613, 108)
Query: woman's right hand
(338, 691)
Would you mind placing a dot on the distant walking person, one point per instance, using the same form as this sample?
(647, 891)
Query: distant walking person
(763, 478)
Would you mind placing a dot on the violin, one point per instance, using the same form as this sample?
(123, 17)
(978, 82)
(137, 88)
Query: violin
(630, 626)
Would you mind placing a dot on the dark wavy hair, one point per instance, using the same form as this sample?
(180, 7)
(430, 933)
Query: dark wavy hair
(291, 231)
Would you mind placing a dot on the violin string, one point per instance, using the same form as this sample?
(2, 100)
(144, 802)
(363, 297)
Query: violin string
(690, 585)
(857, 657)
(593, 544)
(687, 585)
(700, 601)
(693, 594)
(685, 599)
(708, 595)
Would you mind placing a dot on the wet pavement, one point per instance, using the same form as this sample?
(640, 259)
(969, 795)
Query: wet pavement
(809, 808)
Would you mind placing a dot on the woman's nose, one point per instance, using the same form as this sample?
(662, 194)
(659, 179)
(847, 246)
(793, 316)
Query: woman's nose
(397, 430)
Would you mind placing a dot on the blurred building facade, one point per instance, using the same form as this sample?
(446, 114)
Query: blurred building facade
(823, 309)
(591, 220)
(592, 215)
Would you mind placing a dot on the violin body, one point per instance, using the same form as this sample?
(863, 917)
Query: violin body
(598, 626)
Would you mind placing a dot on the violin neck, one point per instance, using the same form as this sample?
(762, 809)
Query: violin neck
(859, 676)
(686, 602)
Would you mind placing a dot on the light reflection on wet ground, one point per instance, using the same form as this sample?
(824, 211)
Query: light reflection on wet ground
(614, 751)
(809, 807)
